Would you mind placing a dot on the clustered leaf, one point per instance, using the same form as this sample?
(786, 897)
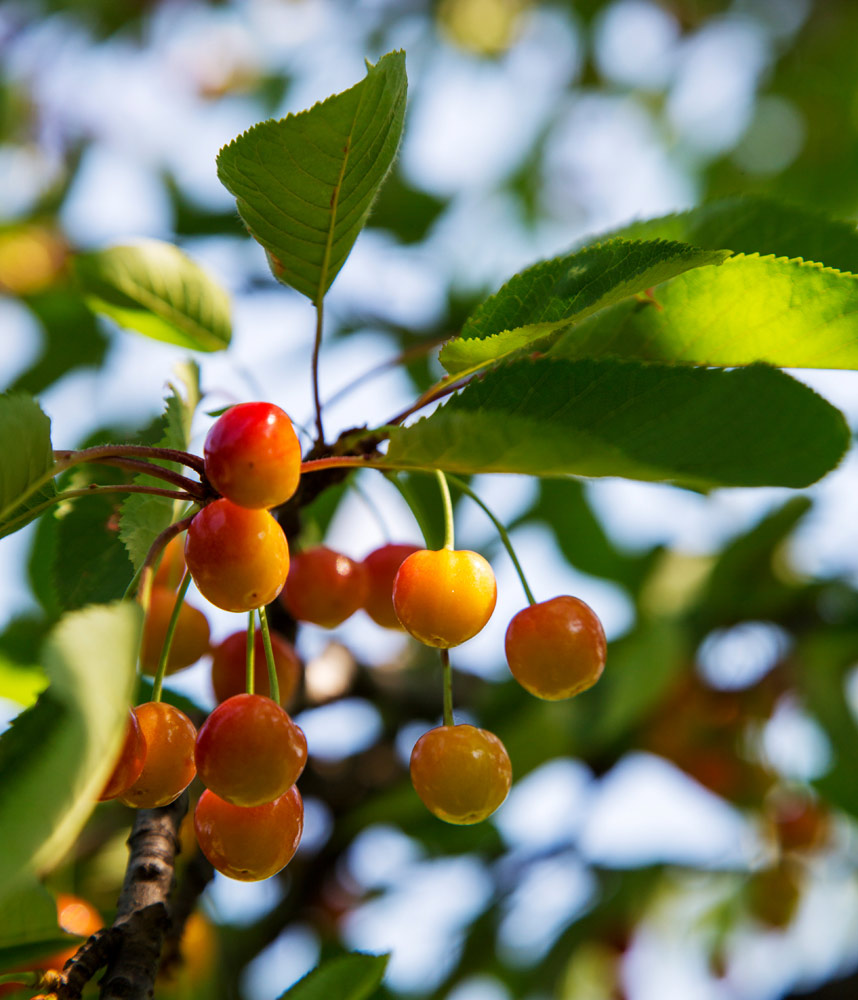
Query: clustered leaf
(26, 467)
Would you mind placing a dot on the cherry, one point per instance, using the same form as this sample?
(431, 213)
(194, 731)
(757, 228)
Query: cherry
(381, 567)
(169, 767)
(171, 569)
(324, 587)
(461, 773)
(129, 764)
(556, 649)
(238, 558)
(444, 597)
(190, 640)
(249, 843)
(229, 670)
(249, 751)
(253, 456)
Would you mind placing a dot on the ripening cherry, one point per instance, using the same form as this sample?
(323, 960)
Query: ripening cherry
(461, 773)
(556, 649)
(191, 639)
(238, 558)
(253, 456)
(323, 587)
(381, 567)
(249, 843)
(171, 569)
(229, 670)
(129, 763)
(249, 751)
(169, 767)
(444, 597)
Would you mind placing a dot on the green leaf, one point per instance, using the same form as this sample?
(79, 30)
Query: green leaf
(155, 289)
(28, 927)
(789, 313)
(20, 683)
(348, 977)
(695, 427)
(534, 307)
(143, 516)
(25, 466)
(56, 756)
(305, 184)
(754, 224)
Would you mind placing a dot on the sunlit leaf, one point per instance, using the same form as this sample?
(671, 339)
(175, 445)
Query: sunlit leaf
(25, 467)
(305, 184)
(155, 289)
(534, 307)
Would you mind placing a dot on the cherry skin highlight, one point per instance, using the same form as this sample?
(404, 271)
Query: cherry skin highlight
(556, 649)
(381, 567)
(229, 671)
(238, 558)
(249, 751)
(129, 764)
(253, 456)
(169, 767)
(191, 640)
(461, 773)
(249, 843)
(324, 587)
(444, 597)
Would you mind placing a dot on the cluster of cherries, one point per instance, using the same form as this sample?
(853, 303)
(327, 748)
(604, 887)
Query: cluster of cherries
(249, 753)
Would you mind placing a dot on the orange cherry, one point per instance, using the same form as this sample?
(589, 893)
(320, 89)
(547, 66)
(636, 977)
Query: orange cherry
(171, 569)
(249, 751)
(461, 773)
(444, 597)
(169, 767)
(324, 587)
(556, 649)
(249, 843)
(129, 764)
(229, 671)
(381, 567)
(190, 640)
(238, 558)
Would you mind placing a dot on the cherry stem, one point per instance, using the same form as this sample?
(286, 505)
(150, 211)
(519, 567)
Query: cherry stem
(168, 638)
(501, 530)
(157, 472)
(336, 462)
(447, 675)
(449, 530)
(96, 454)
(317, 344)
(273, 685)
(147, 570)
(251, 636)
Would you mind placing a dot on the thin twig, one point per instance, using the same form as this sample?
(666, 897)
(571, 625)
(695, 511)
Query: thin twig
(317, 345)
(100, 451)
(437, 391)
(158, 472)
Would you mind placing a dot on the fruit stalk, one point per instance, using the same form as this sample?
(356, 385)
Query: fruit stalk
(447, 681)
(273, 683)
(168, 638)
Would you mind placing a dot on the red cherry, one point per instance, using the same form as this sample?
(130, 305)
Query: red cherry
(129, 764)
(249, 843)
(444, 597)
(324, 587)
(249, 751)
(461, 773)
(238, 558)
(556, 649)
(169, 765)
(381, 567)
(229, 671)
(253, 456)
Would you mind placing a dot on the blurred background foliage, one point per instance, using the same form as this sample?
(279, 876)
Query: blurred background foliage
(687, 827)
